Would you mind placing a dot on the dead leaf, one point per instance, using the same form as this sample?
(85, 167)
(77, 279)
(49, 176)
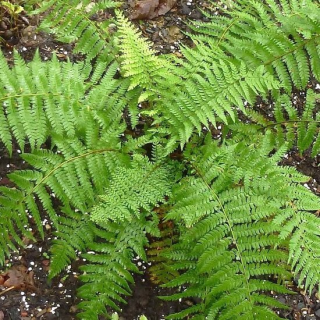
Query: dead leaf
(1, 315)
(6, 182)
(14, 277)
(174, 34)
(149, 9)
(73, 309)
(18, 277)
(165, 6)
(145, 9)
(61, 55)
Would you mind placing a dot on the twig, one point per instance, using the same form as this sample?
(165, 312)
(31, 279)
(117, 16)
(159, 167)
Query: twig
(8, 289)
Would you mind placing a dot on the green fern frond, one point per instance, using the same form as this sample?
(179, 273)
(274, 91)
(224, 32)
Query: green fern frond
(230, 243)
(303, 129)
(68, 177)
(14, 221)
(29, 107)
(108, 273)
(283, 37)
(130, 190)
(72, 20)
(291, 127)
(40, 99)
(139, 61)
(59, 178)
(75, 233)
(212, 91)
(303, 229)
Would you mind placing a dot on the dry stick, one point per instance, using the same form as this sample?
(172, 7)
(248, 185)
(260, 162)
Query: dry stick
(8, 289)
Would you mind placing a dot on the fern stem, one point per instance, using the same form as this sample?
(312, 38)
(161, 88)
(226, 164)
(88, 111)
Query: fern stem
(35, 95)
(226, 30)
(273, 124)
(301, 45)
(28, 95)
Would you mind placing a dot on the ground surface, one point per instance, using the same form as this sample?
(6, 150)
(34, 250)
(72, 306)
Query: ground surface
(37, 298)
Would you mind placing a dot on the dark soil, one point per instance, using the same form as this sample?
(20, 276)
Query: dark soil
(42, 299)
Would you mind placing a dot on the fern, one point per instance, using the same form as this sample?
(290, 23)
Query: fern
(76, 231)
(12, 224)
(130, 184)
(234, 223)
(27, 90)
(71, 20)
(231, 206)
(107, 274)
(281, 36)
(83, 127)
(240, 56)
(304, 251)
(208, 91)
(31, 93)
(288, 128)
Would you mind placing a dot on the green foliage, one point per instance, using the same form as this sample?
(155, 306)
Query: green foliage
(255, 48)
(282, 36)
(208, 92)
(40, 98)
(227, 222)
(234, 204)
(75, 232)
(289, 126)
(131, 190)
(108, 273)
(116, 317)
(73, 20)
(50, 105)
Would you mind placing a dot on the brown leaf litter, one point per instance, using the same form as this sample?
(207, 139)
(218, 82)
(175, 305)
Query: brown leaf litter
(17, 278)
(150, 9)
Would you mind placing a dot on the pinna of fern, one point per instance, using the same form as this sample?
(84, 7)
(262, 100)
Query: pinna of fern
(107, 274)
(40, 99)
(72, 20)
(132, 190)
(282, 36)
(290, 127)
(29, 95)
